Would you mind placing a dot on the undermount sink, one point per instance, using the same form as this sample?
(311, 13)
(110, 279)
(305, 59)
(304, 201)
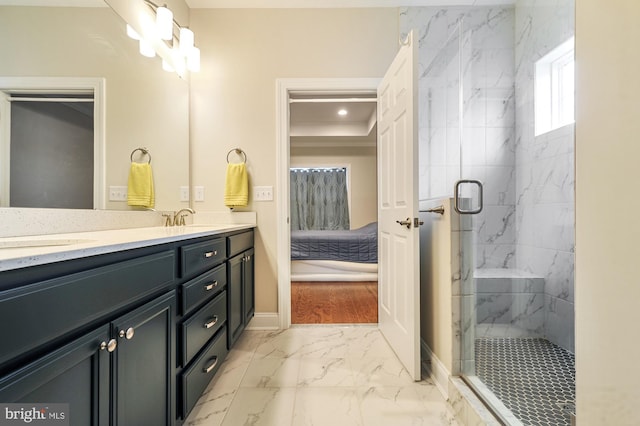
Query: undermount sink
(11, 244)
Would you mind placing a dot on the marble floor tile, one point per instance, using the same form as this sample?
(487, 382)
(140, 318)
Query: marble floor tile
(261, 407)
(314, 376)
(401, 406)
(272, 373)
(316, 372)
(380, 372)
(327, 406)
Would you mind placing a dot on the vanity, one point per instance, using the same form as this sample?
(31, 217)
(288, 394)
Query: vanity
(128, 327)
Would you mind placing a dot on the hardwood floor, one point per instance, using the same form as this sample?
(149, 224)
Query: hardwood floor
(334, 302)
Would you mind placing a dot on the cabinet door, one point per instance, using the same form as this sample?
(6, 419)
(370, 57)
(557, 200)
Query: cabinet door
(235, 314)
(76, 374)
(249, 307)
(144, 387)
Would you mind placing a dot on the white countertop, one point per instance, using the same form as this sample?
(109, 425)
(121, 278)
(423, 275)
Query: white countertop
(23, 252)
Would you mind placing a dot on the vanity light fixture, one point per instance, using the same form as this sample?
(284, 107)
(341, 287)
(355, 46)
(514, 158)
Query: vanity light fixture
(164, 23)
(342, 112)
(184, 55)
(146, 49)
(132, 33)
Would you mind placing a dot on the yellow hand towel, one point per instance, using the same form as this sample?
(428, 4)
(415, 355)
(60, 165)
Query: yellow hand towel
(236, 188)
(140, 188)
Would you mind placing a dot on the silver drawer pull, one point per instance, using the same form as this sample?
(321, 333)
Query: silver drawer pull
(211, 286)
(211, 254)
(211, 323)
(211, 366)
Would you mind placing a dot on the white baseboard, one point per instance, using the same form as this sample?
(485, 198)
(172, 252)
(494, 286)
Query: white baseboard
(264, 321)
(437, 371)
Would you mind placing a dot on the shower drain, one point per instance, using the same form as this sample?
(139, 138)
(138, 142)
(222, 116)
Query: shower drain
(534, 378)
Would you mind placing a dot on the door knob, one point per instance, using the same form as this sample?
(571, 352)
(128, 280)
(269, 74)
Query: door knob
(406, 222)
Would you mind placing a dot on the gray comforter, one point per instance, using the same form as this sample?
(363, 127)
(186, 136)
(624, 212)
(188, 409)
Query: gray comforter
(357, 245)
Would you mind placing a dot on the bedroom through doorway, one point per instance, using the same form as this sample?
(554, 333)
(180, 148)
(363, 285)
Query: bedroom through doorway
(333, 208)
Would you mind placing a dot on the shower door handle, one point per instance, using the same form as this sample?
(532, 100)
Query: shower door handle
(456, 197)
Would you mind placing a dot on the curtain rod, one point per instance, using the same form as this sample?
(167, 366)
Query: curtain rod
(25, 99)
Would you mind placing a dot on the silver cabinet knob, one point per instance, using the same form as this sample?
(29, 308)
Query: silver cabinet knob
(109, 346)
(128, 334)
(211, 286)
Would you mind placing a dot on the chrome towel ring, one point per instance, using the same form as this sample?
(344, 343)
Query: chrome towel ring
(144, 151)
(239, 152)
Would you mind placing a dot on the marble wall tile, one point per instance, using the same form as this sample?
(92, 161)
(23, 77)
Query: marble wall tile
(523, 310)
(545, 169)
(559, 322)
(495, 256)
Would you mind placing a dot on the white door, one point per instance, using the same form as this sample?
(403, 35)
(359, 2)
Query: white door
(398, 274)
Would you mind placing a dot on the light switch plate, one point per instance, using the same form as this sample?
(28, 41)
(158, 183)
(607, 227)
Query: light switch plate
(263, 193)
(184, 193)
(117, 193)
(198, 193)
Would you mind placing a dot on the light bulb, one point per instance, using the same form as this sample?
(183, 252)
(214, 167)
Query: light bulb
(146, 49)
(193, 60)
(132, 33)
(164, 23)
(186, 41)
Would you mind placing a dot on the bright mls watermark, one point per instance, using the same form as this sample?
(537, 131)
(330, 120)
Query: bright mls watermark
(34, 414)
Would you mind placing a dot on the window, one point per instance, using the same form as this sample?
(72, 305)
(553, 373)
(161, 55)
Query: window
(554, 88)
(319, 198)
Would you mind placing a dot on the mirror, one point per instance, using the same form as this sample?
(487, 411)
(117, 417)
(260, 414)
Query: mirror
(144, 106)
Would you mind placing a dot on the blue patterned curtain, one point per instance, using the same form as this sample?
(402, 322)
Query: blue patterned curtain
(319, 199)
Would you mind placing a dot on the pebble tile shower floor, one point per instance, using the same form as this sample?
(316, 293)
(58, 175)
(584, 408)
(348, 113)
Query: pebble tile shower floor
(532, 377)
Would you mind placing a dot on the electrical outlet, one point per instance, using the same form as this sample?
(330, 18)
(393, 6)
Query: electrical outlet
(263, 193)
(184, 193)
(117, 193)
(198, 193)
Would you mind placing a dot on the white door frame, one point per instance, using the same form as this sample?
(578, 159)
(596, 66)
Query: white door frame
(58, 85)
(285, 87)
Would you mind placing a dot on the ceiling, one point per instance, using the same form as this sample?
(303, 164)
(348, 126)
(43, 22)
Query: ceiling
(316, 120)
(275, 4)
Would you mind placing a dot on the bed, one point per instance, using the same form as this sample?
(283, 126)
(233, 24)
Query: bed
(335, 255)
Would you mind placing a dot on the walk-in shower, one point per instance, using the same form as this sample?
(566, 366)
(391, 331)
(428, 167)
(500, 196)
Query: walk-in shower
(514, 275)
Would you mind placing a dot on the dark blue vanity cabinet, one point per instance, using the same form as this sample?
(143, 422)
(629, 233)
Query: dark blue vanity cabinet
(241, 296)
(127, 338)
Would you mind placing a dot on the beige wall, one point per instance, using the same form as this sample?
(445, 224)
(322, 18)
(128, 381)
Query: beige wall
(363, 175)
(607, 206)
(146, 106)
(436, 297)
(233, 97)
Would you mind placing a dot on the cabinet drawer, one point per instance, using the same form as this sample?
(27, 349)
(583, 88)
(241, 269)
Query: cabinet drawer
(41, 312)
(196, 378)
(198, 329)
(240, 242)
(199, 257)
(198, 290)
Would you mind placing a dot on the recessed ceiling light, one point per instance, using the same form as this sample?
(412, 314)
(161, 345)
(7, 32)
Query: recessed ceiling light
(342, 112)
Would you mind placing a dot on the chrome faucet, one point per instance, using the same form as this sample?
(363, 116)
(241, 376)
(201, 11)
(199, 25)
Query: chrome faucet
(178, 218)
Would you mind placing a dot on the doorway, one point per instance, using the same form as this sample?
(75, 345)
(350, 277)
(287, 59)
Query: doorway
(398, 306)
(300, 88)
(333, 210)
